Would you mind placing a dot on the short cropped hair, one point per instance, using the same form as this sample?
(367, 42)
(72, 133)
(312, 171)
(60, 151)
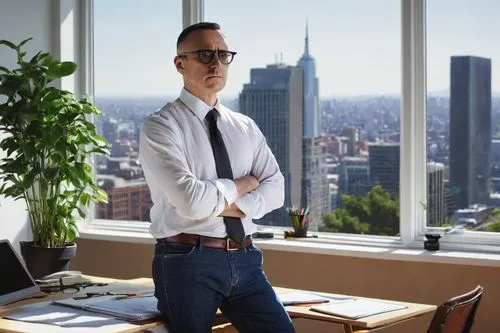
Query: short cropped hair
(194, 27)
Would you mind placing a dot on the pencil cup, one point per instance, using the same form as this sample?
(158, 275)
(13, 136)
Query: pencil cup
(300, 228)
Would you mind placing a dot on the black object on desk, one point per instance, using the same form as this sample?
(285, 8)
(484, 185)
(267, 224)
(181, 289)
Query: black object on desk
(263, 234)
(432, 242)
(291, 234)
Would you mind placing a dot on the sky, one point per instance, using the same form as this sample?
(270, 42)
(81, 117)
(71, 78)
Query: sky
(356, 44)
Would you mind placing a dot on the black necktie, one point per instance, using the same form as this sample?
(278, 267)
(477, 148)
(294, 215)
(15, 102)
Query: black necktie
(234, 227)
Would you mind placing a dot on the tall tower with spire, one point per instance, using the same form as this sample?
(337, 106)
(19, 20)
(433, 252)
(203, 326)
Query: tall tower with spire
(312, 117)
(315, 188)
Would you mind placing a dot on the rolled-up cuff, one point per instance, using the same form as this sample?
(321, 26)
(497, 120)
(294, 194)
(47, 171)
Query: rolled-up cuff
(228, 189)
(250, 204)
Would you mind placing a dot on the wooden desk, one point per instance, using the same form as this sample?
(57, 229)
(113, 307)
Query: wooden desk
(366, 324)
(12, 326)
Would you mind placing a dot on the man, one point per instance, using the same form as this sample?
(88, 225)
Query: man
(210, 173)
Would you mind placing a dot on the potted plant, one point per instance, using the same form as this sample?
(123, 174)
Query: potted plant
(47, 137)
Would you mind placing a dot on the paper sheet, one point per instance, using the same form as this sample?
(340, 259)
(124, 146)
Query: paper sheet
(48, 313)
(302, 297)
(357, 308)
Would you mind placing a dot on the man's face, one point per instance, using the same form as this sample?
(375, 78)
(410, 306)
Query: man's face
(199, 78)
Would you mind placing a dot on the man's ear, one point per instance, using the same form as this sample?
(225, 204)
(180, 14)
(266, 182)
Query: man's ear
(178, 64)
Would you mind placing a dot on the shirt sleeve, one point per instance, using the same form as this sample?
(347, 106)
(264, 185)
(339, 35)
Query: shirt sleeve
(270, 194)
(165, 166)
(228, 189)
(251, 204)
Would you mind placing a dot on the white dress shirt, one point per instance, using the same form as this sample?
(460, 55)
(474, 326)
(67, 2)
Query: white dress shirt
(179, 167)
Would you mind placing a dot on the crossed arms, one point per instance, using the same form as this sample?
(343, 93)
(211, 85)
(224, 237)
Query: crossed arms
(243, 185)
(164, 160)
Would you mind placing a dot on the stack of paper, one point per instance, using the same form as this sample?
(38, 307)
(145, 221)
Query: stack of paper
(69, 280)
(357, 308)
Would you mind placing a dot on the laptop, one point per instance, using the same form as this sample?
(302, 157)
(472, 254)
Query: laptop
(16, 283)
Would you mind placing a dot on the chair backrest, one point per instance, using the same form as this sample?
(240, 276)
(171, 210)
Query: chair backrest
(457, 314)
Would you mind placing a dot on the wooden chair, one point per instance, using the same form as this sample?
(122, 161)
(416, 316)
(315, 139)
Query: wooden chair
(457, 314)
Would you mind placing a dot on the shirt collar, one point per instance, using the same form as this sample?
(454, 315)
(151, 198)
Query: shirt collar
(196, 105)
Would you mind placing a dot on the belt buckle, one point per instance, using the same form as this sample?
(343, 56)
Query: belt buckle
(228, 248)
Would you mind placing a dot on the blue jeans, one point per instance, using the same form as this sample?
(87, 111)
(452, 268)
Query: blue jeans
(192, 282)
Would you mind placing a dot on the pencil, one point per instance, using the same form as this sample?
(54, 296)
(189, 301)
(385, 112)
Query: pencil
(127, 296)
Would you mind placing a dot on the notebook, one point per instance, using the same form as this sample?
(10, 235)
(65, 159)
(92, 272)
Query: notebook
(357, 308)
(132, 309)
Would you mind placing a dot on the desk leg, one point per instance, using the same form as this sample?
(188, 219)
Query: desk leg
(348, 328)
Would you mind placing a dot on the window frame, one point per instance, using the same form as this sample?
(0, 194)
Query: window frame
(413, 173)
(413, 128)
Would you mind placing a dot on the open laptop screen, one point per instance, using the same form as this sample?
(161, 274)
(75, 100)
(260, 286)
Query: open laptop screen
(16, 282)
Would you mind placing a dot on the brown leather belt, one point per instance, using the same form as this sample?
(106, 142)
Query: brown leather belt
(218, 243)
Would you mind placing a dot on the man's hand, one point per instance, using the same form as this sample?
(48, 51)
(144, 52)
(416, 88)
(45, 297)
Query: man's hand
(232, 211)
(246, 184)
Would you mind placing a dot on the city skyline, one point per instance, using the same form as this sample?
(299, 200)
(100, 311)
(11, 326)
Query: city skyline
(344, 67)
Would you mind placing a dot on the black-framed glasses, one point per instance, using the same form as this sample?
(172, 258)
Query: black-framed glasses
(70, 289)
(207, 56)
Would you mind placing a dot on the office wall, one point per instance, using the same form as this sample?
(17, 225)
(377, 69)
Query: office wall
(399, 280)
(21, 19)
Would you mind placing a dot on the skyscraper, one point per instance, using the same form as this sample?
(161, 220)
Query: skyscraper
(353, 135)
(312, 116)
(315, 187)
(384, 166)
(315, 183)
(470, 129)
(435, 194)
(274, 100)
(354, 177)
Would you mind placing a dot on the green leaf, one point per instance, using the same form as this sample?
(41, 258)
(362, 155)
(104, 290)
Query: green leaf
(71, 230)
(47, 61)
(85, 199)
(8, 44)
(10, 84)
(101, 196)
(74, 177)
(24, 42)
(60, 69)
(81, 212)
(100, 140)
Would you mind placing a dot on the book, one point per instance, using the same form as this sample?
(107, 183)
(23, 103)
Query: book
(132, 309)
(357, 308)
(300, 297)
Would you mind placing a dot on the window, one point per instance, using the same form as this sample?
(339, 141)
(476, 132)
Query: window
(358, 66)
(463, 132)
(322, 79)
(134, 46)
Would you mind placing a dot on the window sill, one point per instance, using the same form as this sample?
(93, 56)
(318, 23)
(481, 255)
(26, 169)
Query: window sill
(370, 247)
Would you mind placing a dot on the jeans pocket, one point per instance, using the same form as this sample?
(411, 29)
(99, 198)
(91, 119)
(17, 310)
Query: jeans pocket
(178, 250)
(253, 248)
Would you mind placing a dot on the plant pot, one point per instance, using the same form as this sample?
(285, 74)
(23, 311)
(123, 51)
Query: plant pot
(42, 261)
